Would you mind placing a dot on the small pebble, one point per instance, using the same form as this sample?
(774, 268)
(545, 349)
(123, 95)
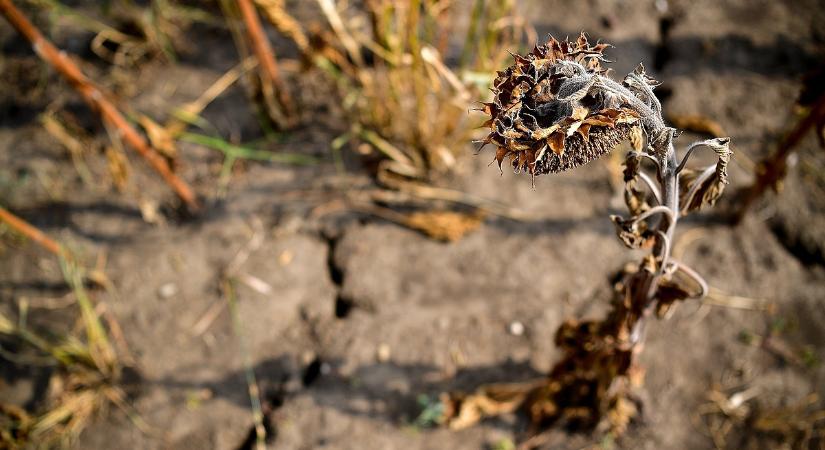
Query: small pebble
(516, 328)
(167, 290)
(383, 353)
(285, 257)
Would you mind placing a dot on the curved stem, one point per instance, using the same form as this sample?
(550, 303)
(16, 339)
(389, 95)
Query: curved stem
(693, 275)
(666, 246)
(661, 209)
(652, 186)
(651, 158)
(689, 152)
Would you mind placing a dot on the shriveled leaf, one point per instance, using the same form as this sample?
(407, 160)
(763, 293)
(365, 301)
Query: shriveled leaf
(675, 288)
(634, 198)
(445, 226)
(705, 187)
(633, 233)
(668, 294)
(632, 166)
(501, 152)
(464, 410)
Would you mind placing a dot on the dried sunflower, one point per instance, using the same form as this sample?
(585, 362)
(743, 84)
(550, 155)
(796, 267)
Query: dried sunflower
(555, 108)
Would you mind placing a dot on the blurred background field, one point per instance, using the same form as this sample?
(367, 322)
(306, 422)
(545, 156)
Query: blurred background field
(346, 256)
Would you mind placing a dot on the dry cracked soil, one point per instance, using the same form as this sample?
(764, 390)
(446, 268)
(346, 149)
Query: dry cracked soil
(348, 321)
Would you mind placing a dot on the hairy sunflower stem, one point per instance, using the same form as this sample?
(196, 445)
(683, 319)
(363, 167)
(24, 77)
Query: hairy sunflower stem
(645, 297)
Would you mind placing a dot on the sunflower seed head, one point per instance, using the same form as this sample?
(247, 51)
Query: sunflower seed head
(553, 110)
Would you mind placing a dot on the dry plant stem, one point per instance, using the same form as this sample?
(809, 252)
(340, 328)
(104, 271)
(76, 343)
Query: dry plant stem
(645, 298)
(264, 53)
(28, 230)
(771, 170)
(95, 97)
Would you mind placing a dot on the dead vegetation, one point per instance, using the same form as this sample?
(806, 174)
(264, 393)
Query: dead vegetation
(388, 60)
(85, 377)
(403, 85)
(554, 110)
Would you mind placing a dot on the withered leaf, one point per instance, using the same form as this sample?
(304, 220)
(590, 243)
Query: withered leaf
(632, 165)
(584, 131)
(501, 152)
(675, 288)
(701, 188)
(633, 233)
(464, 410)
(600, 120)
(668, 294)
(634, 198)
(445, 226)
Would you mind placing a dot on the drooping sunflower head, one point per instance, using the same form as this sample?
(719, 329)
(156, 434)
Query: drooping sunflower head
(551, 113)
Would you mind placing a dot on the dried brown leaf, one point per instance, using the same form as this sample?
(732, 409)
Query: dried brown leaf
(448, 226)
(633, 233)
(675, 288)
(464, 410)
(705, 187)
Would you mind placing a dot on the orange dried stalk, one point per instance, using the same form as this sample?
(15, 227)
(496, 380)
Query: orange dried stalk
(94, 96)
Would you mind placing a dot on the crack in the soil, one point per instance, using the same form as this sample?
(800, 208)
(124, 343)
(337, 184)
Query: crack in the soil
(312, 371)
(270, 402)
(343, 305)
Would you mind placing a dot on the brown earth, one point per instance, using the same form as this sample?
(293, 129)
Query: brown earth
(359, 317)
